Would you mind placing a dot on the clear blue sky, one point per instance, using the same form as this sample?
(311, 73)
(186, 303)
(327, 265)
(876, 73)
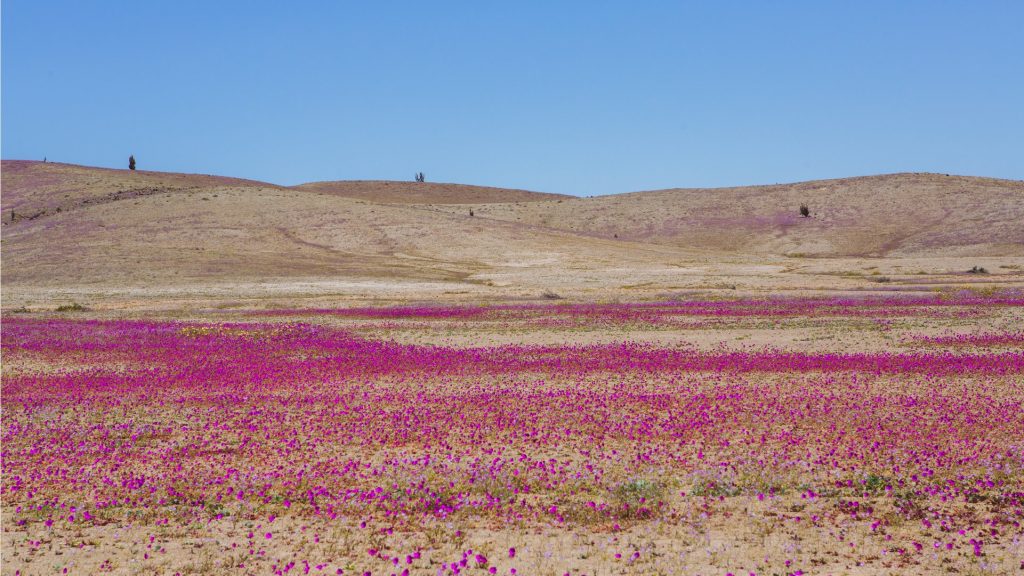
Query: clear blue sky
(575, 97)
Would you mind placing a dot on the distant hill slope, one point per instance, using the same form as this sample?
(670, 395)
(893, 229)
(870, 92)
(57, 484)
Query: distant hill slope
(65, 225)
(77, 225)
(35, 189)
(424, 192)
(888, 215)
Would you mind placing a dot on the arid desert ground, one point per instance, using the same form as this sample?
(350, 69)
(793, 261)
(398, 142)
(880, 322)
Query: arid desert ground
(209, 375)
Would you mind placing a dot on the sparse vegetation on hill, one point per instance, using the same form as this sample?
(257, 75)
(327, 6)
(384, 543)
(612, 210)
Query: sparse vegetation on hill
(889, 215)
(428, 193)
(75, 225)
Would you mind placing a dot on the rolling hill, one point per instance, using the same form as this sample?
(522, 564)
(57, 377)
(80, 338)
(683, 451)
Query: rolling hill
(82, 228)
(390, 192)
(66, 225)
(874, 216)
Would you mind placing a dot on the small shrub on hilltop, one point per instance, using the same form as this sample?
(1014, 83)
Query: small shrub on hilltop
(977, 270)
(73, 307)
(805, 211)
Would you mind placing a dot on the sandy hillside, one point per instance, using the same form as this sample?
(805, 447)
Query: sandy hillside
(72, 231)
(388, 192)
(890, 215)
(66, 225)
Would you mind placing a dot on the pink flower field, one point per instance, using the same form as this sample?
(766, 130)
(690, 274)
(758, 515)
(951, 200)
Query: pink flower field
(288, 442)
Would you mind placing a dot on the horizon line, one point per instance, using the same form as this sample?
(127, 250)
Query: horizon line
(787, 183)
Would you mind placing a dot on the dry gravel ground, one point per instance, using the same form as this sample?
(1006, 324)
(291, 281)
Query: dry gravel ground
(713, 539)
